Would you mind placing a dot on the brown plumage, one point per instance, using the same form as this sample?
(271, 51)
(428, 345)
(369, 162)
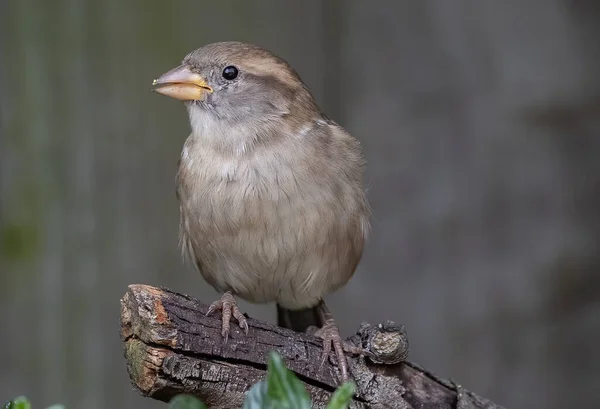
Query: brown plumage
(271, 191)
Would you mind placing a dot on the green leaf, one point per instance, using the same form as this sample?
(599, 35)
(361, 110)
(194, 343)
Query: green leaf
(342, 396)
(186, 402)
(284, 389)
(18, 403)
(257, 397)
(22, 403)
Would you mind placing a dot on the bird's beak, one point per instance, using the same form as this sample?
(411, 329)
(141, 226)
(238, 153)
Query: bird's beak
(181, 83)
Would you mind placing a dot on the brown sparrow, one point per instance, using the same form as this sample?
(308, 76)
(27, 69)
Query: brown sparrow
(271, 191)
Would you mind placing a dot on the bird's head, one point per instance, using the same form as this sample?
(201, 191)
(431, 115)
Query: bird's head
(232, 83)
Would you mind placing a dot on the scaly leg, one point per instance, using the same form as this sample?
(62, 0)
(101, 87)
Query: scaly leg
(228, 307)
(330, 335)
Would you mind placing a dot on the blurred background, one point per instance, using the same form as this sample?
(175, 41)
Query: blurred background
(480, 121)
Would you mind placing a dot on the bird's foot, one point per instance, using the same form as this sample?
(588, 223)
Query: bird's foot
(330, 335)
(228, 307)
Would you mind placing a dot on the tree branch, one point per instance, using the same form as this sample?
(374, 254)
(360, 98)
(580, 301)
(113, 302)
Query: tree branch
(171, 347)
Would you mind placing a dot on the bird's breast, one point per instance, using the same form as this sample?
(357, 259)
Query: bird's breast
(251, 197)
(265, 228)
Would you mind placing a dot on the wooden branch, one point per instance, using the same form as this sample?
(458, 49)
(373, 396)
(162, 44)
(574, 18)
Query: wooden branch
(171, 347)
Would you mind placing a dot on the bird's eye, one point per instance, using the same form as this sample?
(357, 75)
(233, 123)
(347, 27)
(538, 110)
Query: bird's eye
(230, 73)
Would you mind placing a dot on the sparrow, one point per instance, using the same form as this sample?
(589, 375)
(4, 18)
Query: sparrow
(271, 194)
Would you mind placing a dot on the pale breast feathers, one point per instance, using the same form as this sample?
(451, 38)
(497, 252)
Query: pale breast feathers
(279, 219)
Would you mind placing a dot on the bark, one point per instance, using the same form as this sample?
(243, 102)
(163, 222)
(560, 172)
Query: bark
(171, 347)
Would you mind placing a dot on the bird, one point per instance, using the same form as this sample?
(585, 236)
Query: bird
(271, 191)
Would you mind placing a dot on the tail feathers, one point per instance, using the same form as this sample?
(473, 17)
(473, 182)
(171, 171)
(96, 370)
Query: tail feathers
(298, 320)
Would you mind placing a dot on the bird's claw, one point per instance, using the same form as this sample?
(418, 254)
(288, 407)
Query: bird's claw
(229, 308)
(330, 335)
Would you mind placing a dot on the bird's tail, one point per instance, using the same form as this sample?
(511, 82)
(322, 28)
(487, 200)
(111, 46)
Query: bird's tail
(298, 320)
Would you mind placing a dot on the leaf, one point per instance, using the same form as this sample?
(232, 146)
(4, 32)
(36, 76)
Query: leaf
(284, 389)
(342, 396)
(186, 402)
(22, 403)
(257, 397)
(18, 403)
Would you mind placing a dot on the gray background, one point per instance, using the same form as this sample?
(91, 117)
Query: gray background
(481, 124)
